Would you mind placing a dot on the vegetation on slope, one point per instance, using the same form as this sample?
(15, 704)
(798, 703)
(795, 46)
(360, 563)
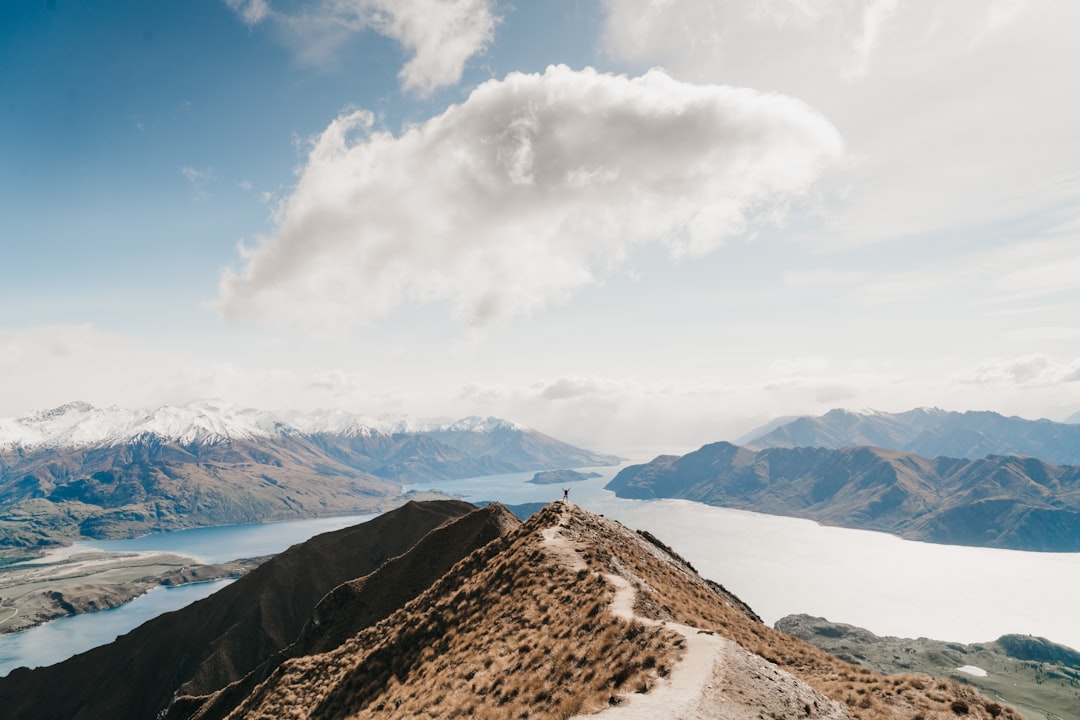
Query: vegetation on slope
(508, 632)
(221, 638)
(1039, 678)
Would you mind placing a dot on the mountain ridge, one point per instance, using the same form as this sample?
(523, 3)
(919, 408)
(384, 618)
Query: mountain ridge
(998, 501)
(80, 424)
(79, 476)
(221, 638)
(929, 432)
(565, 615)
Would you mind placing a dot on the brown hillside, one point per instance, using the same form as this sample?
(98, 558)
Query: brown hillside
(220, 639)
(572, 613)
(360, 603)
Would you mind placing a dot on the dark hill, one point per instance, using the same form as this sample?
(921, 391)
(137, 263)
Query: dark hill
(998, 501)
(360, 603)
(220, 639)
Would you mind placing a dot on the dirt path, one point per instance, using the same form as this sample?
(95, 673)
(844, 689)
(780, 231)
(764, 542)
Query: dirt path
(715, 679)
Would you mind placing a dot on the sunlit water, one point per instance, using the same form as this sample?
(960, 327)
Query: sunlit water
(782, 565)
(60, 639)
(219, 544)
(777, 565)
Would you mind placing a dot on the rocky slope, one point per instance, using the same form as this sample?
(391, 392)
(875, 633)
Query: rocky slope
(1039, 678)
(1004, 502)
(78, 471)
(928, 432)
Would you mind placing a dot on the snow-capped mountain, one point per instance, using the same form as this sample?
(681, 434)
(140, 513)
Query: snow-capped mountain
(81, 471)
(80, 424)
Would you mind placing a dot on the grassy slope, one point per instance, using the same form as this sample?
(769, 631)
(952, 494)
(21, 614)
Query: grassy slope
(512, 632)
(1039, 689)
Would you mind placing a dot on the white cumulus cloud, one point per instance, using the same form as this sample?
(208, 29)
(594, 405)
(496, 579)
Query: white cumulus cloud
(533, 187)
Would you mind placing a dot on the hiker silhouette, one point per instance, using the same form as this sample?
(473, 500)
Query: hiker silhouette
(565, 494)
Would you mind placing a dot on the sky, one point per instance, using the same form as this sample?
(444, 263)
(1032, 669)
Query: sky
(631, 224)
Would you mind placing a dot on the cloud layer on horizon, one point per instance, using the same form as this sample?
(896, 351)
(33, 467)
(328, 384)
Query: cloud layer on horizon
(532, 188)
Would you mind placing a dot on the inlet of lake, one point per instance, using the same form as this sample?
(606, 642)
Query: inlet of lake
(778, 565)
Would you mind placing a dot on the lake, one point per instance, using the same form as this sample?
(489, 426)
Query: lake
(218, 544)
(60, 639)
(777, 565)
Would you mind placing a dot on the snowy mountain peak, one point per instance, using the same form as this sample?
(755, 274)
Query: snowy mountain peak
(80, 424)
(473, 423)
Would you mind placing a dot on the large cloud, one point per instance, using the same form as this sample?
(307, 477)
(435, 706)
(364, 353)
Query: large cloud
(533, 187)
(441, 35)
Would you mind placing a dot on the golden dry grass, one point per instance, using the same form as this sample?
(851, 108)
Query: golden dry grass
(509, 632)
(671, 590)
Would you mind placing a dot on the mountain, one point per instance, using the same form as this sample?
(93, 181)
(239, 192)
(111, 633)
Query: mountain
(1073, 419)
(1036, 676)
(998, 501)
(209, 644)
(80, 471)
(566, 614)
(928, 432)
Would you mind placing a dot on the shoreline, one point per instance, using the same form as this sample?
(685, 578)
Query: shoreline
(44, 589)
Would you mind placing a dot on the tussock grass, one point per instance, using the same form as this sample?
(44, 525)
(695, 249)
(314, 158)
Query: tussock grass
(509, 632)
(669, 589)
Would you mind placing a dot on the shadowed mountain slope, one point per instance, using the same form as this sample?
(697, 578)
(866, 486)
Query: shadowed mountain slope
(928, 432)
(361, 603)
(1007, 502)
(220, 639)
(569, 614)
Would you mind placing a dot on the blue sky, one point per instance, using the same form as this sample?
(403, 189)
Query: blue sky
(707, 213)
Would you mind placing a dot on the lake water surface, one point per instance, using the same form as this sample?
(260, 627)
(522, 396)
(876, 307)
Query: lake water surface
(777, 565)
(60, 639)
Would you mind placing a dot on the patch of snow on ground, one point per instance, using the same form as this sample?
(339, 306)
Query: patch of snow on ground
(972, 670)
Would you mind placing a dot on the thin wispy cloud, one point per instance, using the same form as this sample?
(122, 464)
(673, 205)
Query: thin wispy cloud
(440, 36)
(199, 180)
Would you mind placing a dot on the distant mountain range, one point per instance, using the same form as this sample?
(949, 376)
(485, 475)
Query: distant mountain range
(999, 501)
(79, 471)
(457, 614)
(928, 432)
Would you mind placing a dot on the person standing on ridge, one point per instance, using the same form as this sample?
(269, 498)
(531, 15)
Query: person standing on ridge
(566, 494)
